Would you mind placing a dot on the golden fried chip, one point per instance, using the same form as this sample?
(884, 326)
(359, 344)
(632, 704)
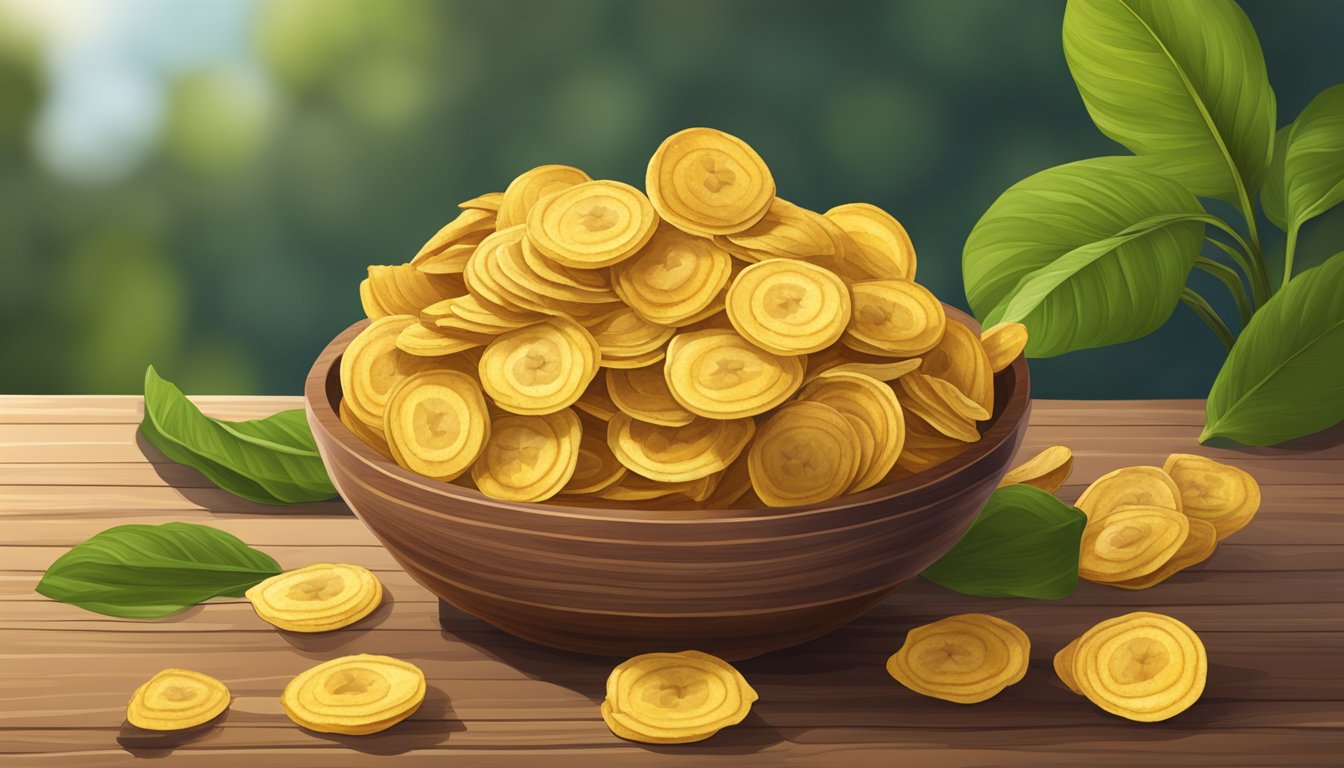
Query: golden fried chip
(422, 341)
(732, 484)
(1215, 492)
(960, 360)
(1047, 470)
(788, 307)
(719, 375)
(786, 231)
(372, 365)
(678, 454)
(925, 447)
(175, 699)
(404, 290)
(708, 182)
(896, 318)
(540, 368)
(643, 393)
(470, 226)
(1130, 542)
(1141, 666)
(373, 437)
(436, 423)
(942, 405)
(873, 412)
(675, 698)
(623, 334)
(805, 453)
(524, 191)
(1063, 664)
(675, 276)
(354, 695)
(317, 598)
(964, 659)
(529, 458)
(884, 248)
(1004, 343)
(1198, 546)
(592, 225)
(596, 401)
(1129, 486)
(596, 467)
(490, 201)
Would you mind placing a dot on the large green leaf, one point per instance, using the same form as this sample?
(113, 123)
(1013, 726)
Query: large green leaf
(272, 460)
(150, 571)
(1024, 543)
(1284, 378)
(1180, 81)
(1085, 255)
(1306, 178)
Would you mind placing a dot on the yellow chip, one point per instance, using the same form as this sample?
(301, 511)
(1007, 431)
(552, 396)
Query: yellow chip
(960, 360)
(643, 393)
(884, 247)
(529, 458)
(1215, 492)
(372, 437)
(636, 488)
(732, 484)
(805, 453)
(1141, 666)
(707, 182)
(404, 290)
(423, 341)
(592, 225)
(372, 365)
(873, 412)
(896, 318)
(675, 698)
(436, 423)
(354, 695)
(490, 201)
(470, 226)
(674, 277)
(1197, 547)
(1129, 486)
(1004, 343)
(942, 405)
(623, 333)
(466, 314)
(1130, 542)
(720, 375)
(678, 454)
(596, 401)
(1063, 664)
(175, 699)
(596, 467)
(541, 368)
(838, 357)
(964, 659)
(524, 191)
(925, 447)
(317, 598)
(788, 307)
(786, 231)
(1047, 470)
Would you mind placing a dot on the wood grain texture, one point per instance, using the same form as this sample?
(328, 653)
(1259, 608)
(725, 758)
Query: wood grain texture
(1269, 606)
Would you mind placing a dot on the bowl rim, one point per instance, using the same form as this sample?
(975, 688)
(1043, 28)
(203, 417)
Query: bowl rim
(1002, 427)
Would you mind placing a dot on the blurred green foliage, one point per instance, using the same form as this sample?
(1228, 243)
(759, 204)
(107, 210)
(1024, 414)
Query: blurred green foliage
(232, 254)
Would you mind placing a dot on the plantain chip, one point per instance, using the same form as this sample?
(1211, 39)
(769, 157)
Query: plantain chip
(675, 698)
(788, 307)
(1197, 547)
(1130, 542)
(643, 393)
(806, 452)
(874, 413)
(529, 458)
(1141, 666)
(530, 186)
(719, 375)
(174, 699)
(964, 659)
(354, 695)
(372, 365)
(1004, 343)
(592, 225)
(1214, 492)
(1129, 486)
(540, 368)
(436, 423)
(1047, 470)
(678, 454)
(317, 598)
(675, 277)
(707, 182)
(884, 247)
(895, 318)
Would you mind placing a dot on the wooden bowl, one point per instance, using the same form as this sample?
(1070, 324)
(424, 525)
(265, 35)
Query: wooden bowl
(619, 582)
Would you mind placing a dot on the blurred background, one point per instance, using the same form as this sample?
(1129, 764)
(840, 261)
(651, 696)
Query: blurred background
(201, 185)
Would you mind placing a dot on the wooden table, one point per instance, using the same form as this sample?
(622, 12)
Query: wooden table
(1269, 606)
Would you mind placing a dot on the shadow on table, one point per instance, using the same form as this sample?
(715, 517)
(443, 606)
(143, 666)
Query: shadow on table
(320, 645)
(206, 495)
(146, 743)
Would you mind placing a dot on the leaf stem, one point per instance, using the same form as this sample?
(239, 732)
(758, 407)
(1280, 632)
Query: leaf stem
(1205, 312)
(1289, 249)
(1248, 258)
(1228, 277)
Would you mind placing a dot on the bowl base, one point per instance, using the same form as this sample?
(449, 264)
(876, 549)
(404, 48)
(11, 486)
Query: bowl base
(739, 637)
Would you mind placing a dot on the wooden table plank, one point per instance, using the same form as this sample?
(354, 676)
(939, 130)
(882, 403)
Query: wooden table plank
(1269, 606)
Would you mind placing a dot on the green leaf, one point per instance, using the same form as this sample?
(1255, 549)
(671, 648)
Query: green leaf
(1284, 378)
(151, 571)
(272, 460)
(1306, 178)
(1181, 82)
(1086, 254)
(1024, 543)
